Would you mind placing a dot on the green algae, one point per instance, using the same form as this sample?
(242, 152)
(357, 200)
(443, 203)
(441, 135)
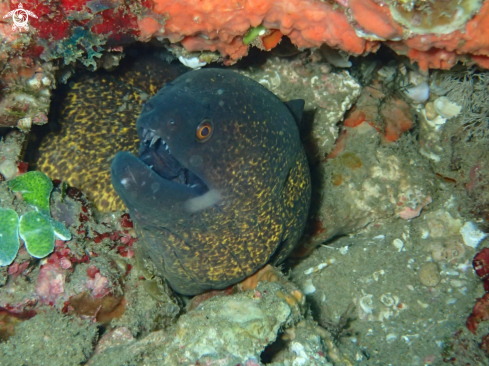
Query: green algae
(252, 33)
(35, 188)
(9, 238)
(38, 234)
(36, 228)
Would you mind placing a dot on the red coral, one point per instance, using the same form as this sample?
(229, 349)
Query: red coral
(117, 22)
(126, 221)
(99, 237)
(481, 263)
(92, 271)
(51, 22)
(480, 313)
(22, 167)
(125, 252)
(73, 5)
(16, 269)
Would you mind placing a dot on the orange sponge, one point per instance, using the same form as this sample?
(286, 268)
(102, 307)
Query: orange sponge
(355, 26)
(220, 26)
(398, 119)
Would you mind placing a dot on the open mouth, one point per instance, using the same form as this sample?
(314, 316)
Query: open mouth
(156, 154)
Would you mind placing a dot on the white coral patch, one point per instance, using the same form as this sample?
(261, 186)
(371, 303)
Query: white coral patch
(193, 62)
(472, 235)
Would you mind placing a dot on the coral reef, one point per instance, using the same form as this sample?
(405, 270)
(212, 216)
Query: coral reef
(436, 35)
(408, 164)
(88, 276)
(373, 170)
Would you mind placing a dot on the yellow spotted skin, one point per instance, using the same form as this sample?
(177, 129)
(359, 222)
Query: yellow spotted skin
(97, 119)
(254, 161)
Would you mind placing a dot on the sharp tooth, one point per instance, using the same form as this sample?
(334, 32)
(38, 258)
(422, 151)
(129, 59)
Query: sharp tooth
(153, 140)
(150, 136)
(145, 132)
(166, 147)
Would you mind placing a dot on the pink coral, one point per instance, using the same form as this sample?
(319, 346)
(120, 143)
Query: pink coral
(408, 213)
(50, 283)
(99, 285)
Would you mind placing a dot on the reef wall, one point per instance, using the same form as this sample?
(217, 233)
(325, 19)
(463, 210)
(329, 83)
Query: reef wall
(437, 34)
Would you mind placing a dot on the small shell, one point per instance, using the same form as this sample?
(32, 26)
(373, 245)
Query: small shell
(34, 83)
(376, 275)
(46, 81)
(418, 93)
(430, 110)
(391, 337)
(366, 303)
(398, 244)
(387, 300)
(446, 108)
(308, 287)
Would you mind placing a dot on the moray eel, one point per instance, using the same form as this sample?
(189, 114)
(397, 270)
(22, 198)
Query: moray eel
(96, 120)
(221, 186)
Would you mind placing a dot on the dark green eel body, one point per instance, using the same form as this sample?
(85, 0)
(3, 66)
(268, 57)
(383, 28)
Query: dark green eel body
(221, 186)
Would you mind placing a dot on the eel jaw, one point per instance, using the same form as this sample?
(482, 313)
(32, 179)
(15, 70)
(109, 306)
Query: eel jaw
(150, 198)
(156, 154)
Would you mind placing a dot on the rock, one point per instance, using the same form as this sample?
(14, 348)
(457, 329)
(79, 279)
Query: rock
(429, 274)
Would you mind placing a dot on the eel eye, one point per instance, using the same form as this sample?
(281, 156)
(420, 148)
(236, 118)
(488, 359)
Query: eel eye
(204, 131)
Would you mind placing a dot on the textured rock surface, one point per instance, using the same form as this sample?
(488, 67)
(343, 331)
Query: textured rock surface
(328, 95)
(224, 330)
(33, 345)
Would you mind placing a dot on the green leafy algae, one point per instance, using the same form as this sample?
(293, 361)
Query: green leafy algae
(9, 237)
(36, 228)
(38, 234)
(36, 189)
